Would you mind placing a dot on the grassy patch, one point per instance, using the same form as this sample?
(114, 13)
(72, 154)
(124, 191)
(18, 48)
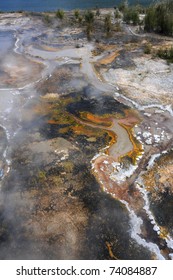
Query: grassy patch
(166, 54)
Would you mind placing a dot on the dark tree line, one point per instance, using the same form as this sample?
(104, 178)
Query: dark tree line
(159, 18)
(131, 15)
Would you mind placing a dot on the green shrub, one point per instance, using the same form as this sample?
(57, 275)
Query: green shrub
(131, 15)
(147, 48)
(97, 12)
(166, 54)
(159, 18)
(122, 6)
(80, 18)
(89, 21)
(117, 14)
(76, 14)
(107, 24)
(60, 14)
(89, 17)
(41, 176)
(47, 19)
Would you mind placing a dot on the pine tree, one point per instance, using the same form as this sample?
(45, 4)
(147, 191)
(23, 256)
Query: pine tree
(159, 18)
(89, 20)
(108, 24)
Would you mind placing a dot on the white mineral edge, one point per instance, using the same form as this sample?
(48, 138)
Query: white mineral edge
(136, 223)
